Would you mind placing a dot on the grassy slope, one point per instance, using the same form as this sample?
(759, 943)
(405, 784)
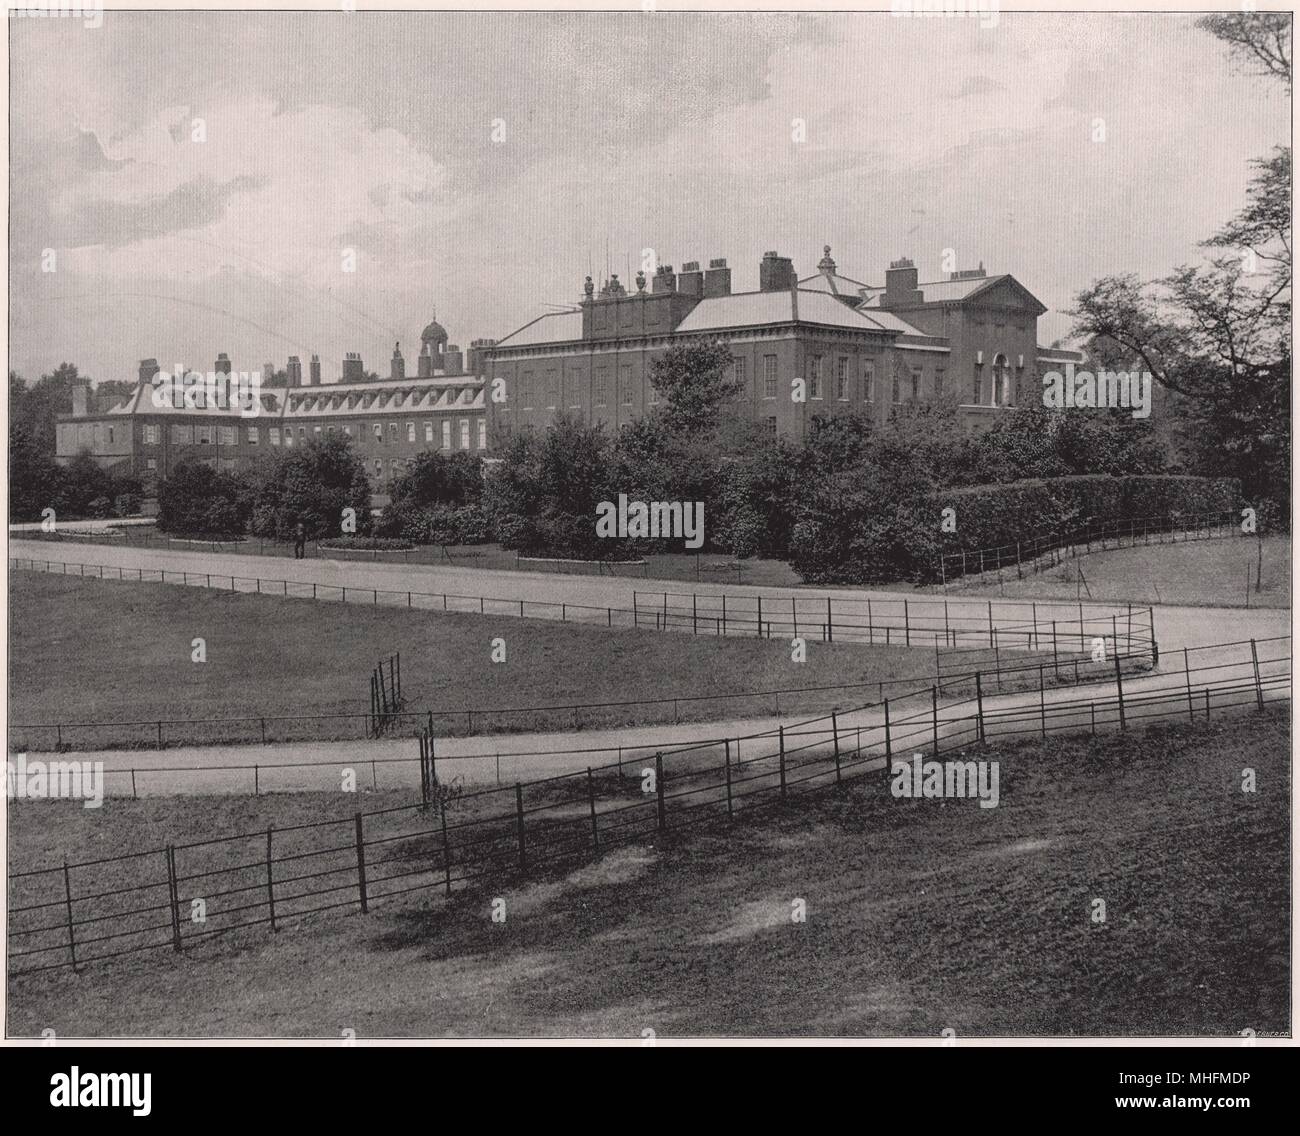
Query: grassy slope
(90, 650)
(921, 916)
(1206, 572)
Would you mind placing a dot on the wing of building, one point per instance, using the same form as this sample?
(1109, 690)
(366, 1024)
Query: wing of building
(970, 339)
(389, 420)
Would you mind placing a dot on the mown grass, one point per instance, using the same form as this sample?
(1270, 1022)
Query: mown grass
(86, 650)
(1212, 573)
(922, 915)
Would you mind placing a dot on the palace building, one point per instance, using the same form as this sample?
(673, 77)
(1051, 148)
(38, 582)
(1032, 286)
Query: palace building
(389, 420)
(971, 338)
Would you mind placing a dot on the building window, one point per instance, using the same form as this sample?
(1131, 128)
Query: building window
(602, 386)
(464, 433)
(842, 379)
(288, 435)
(379, 468)
(395, 468)
(182, 435)
(738, 374)
(428, 433)
(302, 433)
(976, 384)
(938, 383)
(379, 433)
(227, 436)
(815, 376)
(552, 389)
(329, 431)
(446, 433)
(769, 376)
(150, 435)
(252, 435)
(896, 392)
(771, 425)
(392, 432)
(347, 431)
(627, 385)
(482, 433)
(916, 384)
(410, 431)
(526, 389)
(868, 382)
(151, 464)
(275, 435)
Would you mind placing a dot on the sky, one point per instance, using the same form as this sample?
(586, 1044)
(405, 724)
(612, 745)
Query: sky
(205, 180)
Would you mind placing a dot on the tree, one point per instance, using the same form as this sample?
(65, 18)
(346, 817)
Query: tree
(35, 408)
(197, 499)
(695, 380)
(1261, 41)
(312, 485)
(35, 481)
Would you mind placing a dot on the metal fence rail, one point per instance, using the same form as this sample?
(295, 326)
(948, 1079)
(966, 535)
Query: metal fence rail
(184, 894)
(1040, 551)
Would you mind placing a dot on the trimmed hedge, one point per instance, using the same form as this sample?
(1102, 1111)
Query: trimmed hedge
(993, 516)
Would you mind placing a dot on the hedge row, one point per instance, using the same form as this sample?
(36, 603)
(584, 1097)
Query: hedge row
(994, 516)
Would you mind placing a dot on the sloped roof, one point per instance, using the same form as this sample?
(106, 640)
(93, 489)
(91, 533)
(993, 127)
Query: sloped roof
(554, 327)
(833, 283)
(753, 309)
(938, 291)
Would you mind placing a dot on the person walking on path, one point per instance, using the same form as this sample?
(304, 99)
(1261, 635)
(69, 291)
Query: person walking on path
(299, 542)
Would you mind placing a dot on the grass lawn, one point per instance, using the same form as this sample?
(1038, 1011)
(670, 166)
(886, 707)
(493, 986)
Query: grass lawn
(1204, 572)
(922, 915)
(88, 650)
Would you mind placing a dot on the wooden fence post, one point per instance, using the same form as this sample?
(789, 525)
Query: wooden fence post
(979, 705)
(1119, 686)
(730, 810)
(659, 790)
(67, 891)
(1042, 703)
(1259, 690)
(835, 730)
(591, 800)
(1187, 677)
(270, 882)
(446, 847)
(780, 730)
(934, 710)
(361, 865)
(174, 892)
(888, 748)
(519, 815)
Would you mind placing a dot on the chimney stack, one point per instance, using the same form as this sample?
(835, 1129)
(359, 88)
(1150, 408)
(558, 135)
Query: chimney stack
(80, 398)
(691, 280)
(222, 365)
(354, 370)
(148, 368)
(453, 361)
(665, 279)
(399, 364)
(776, 273)
(294, 370)
(900, 284)
(717, 280)
(315, 371)
(476, 360)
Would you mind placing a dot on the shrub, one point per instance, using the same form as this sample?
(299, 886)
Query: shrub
(198, 499)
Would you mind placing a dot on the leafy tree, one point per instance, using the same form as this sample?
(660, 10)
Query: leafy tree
(196, 498)
(35, 481)
(36, 407)
(311, 484)
(695, 380)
